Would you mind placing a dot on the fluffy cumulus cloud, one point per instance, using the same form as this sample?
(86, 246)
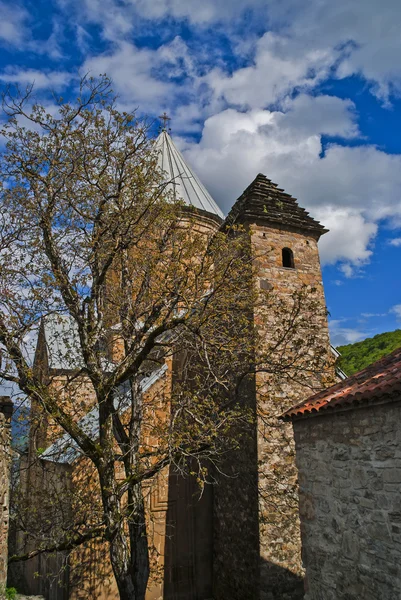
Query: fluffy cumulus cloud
(118, 17)
(396, 310)
(277, 68)
(197, 12)
(147, 78)
(366, 33)
(303, 40)
(258, 111)
(12, 23)
(131, 70)
(41, 79)
(341, 333)
(350, 189)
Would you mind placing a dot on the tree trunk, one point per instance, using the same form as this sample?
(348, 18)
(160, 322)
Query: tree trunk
(130, 561)
(138, 540)
(128, 544)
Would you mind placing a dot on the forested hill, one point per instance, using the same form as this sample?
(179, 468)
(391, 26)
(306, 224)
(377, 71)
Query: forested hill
(355, 357)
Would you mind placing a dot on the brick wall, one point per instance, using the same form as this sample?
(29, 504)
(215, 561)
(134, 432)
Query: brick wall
(350, 503)
(5, 463)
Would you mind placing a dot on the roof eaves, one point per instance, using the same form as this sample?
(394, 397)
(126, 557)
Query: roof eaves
(377, 382)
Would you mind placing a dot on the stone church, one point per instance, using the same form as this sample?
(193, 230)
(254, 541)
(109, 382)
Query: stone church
(240, 540)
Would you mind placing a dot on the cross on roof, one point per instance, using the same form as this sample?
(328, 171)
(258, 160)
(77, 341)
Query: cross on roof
(165, 120)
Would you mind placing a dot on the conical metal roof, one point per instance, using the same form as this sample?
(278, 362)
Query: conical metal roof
(184, 183)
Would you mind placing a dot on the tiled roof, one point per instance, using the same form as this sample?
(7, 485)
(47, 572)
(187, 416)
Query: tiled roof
(378, 382)
(184, 183)
(262, 199)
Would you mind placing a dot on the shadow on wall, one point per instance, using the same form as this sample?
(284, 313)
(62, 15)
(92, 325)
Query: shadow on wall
(189, 540)
(189, 572)
(85, 574)
(282, 583)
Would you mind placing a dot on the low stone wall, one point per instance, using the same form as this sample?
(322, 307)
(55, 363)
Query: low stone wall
(350, 502)
(5, 464)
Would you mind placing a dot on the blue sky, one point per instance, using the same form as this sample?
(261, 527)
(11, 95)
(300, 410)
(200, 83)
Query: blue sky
(308, 93)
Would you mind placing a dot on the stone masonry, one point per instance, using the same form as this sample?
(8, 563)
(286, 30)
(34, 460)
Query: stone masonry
(280, 542)
(6, 408)
(350, 503)
(265, 564)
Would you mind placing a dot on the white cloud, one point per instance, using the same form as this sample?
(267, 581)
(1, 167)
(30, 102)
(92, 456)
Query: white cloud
(368, 30)
(395, 242)
(349, 238)
(350, 189)
(115, 19)
(197, 12)
(49, 80)
(396, 310)
(278, 68)
(341, 335)
(12, 23)
(301, 44)
(119, 18)
(132, 71)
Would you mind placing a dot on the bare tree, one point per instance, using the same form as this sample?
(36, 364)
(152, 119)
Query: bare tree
(92, 238)
(91, 232)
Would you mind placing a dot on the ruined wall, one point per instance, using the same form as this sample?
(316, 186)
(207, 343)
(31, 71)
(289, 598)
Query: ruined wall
(5, 465)
(349, 476)
(280, 568)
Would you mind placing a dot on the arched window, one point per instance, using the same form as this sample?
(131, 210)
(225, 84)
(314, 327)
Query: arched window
(288, 258)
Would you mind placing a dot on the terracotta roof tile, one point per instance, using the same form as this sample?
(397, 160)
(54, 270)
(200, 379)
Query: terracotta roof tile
(375, 383)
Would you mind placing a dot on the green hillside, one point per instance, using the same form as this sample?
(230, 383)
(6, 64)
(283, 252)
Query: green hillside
(355, 357)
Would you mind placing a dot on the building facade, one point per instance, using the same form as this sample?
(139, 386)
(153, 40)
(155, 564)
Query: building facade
(240, 540)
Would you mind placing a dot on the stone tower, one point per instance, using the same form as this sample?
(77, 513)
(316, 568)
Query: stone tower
(263, 527)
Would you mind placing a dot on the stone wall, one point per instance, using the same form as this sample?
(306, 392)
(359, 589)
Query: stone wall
(280, 545)
(350, 503)
(257, 545)
(5, 464)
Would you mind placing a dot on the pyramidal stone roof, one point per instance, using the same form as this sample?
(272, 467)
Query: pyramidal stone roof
(183, 182)
(264, 201)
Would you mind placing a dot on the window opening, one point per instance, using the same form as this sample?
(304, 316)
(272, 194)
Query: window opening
(288, 258)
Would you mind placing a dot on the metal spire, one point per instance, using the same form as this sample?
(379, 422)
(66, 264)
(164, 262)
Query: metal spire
(182, 180)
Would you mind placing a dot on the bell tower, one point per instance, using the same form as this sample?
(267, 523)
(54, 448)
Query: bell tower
(292, 359)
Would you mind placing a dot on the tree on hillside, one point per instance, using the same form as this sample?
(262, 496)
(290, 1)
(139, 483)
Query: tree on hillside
(90, 233)
(357, 356)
